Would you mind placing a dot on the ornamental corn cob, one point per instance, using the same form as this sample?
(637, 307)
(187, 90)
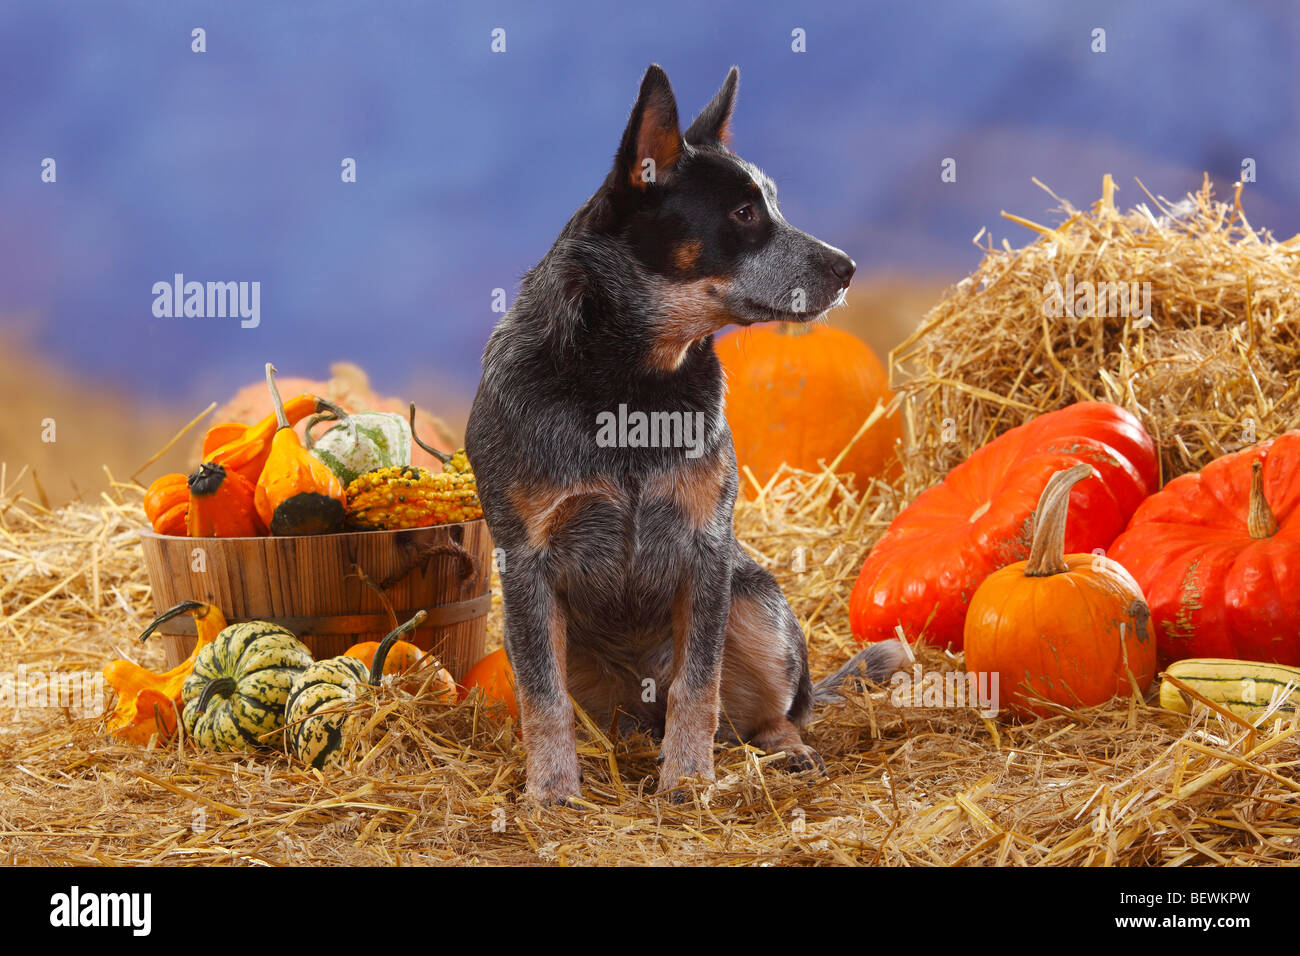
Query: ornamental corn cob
(410, 497)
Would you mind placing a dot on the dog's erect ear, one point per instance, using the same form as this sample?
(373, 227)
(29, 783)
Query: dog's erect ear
(652, 142)
(713, 126)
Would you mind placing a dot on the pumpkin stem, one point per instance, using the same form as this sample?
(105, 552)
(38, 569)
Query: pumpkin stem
(442, 456)
(381, 652)
(222, 686)
(282, 420)
(1047, 553)
(794, 328)
(329, 412)
(207, 479)
(182, 608)
(1260, 521)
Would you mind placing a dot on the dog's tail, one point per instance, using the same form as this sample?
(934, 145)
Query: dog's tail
(875, 662)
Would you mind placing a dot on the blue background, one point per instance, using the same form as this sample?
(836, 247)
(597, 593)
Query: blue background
(225, 165)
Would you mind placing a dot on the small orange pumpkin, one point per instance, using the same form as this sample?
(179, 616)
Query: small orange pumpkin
(1071, 629)
(403, 657)
(494, 675)
(798, 393)
(166, 503)
(296, 492)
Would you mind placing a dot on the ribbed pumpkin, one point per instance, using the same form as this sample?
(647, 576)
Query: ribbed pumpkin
(167, 504)
(244, 448)
(240, 682)
(798, 393)
(1217, 553)
(922, 573)
(316, 724)
(1066, 628)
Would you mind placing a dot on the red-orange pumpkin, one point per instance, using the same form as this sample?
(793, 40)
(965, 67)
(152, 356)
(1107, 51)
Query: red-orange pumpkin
(799, 393)
(1064, 628)
(1217, 553)
(922, 573)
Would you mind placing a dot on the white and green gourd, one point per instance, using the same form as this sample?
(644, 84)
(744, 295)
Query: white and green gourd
(235, 695)
(360, 443)
(317, 718)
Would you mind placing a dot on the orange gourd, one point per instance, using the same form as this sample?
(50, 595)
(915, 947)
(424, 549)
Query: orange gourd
(494, 675)
(166, 503)
(296, 492)
(221, 504)
(1071, 629)
(149, 702)
(798, 393)
(244, 448)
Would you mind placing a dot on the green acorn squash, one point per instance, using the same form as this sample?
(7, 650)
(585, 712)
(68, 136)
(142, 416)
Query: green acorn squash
(235, 695)
(316, 720)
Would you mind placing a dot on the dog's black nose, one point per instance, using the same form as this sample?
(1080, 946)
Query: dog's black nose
(843, 267)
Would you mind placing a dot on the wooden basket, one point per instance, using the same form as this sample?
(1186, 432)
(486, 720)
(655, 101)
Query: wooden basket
(316, 586)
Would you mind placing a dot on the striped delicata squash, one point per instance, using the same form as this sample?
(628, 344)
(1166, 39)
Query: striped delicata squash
(236, 693)
(317, 723)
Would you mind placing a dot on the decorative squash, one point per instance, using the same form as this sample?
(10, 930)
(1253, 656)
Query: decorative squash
(1217, 552)
(221, 505)
(1244, 688)
(245, 448)
(798, 393)
(922, 573)
(235, 697)
(296, 493)
(495, 676)
(360, 443)
(1064, 628)
(166, 504)
(148, 702)
(348, 387)
(315, 723)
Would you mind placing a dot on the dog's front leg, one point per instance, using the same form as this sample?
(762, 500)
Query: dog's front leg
(535, 626)
(699, 617)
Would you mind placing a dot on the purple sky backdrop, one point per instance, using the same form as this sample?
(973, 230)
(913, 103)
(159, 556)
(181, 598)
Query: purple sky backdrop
(225, 165)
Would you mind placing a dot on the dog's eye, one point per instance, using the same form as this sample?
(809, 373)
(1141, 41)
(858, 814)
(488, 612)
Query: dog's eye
(745, 213)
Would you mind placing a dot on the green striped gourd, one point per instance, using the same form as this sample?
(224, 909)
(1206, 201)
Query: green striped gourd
(317, 721)
(360, 443)
(236, 693)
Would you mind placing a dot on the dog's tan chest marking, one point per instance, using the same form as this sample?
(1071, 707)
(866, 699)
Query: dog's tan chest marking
(695, 487)
(686, 312)
(545, 509)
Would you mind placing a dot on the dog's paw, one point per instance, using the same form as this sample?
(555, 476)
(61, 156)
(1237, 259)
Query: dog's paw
(802, 759)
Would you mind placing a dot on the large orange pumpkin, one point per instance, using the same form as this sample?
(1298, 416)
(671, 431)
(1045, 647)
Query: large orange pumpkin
(798, 393)
(348, 387)
(1064, 628)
